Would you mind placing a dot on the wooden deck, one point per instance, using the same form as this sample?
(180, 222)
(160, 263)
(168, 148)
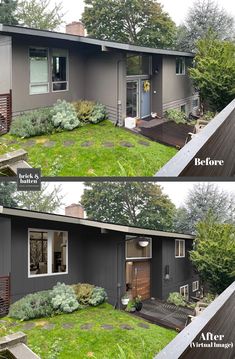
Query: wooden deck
(168, 133)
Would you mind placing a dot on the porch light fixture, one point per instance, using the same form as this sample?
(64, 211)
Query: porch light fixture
(167, 272)
(143, 242)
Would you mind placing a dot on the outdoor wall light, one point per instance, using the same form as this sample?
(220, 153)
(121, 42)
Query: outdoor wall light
(167, 272)
(143, 242)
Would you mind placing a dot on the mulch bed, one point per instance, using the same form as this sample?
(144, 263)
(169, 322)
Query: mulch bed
(168, 133)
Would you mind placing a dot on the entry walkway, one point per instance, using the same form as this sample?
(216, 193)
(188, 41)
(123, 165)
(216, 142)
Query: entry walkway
(165, 314)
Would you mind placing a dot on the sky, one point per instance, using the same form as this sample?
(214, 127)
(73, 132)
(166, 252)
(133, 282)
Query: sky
(177, 191)
(177, 9)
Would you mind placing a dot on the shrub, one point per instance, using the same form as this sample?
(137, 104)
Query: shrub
(33, 123)
(83, 292)
(32, 306)
(176, 299)
(98, 296)
(84, 110)
(64, 116)
(176, 115)
(208, 298)
(207, 116)
(99, 113)
(63, 298)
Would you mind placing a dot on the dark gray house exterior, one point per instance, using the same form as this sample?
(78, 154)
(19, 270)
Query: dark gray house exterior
(132, 81)
(37, 250)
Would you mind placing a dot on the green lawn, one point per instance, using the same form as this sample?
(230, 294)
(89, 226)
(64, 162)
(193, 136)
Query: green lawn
(96, 342)
(93, 150)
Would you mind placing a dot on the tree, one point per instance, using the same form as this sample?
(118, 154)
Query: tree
(40, 14)
(7, 194)
(214, 73)
(42, 201)
(129, 203)
(8, 12)
(214, 254)
(203, 17)
(139, 22)
(202, 199)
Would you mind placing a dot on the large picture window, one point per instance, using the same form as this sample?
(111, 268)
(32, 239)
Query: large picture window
(179, 248)
(39, 82)
(138, 65)
(138, 247)
(48, 252)
(59, 70)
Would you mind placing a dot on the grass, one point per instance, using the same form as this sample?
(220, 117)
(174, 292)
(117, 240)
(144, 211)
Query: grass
(97, 342)
(96, 160)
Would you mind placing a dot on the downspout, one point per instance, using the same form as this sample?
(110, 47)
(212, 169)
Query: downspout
(118, 89)
(118, 287)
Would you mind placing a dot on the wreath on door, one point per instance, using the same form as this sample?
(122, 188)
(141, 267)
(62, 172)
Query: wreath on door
(146, 86)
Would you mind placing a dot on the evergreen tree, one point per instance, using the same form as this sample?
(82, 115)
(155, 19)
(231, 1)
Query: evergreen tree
(8, 12)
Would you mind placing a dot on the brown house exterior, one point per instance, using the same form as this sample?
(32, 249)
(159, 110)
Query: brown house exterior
(43, 66)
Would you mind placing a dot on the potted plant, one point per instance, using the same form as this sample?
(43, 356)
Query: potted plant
(138, 303)
(131, 306)
(125, 299)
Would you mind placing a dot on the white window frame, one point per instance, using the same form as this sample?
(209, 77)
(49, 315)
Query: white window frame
(180, 241)
(184, 287)
(134, 258)
(183, 66)
(48, 72)
(67, 73)
(49, 252)
(195, 286)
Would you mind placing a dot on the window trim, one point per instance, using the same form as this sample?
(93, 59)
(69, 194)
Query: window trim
(193, 283)
(180, 240)
(137, 258)
(184, 66)
(48, 72)
(67, 72)
(184, 286)
(49, 251)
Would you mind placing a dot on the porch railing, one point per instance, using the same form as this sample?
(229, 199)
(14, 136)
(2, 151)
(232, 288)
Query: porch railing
(215, 142)
(210, 335)
(4, 295)
(5, 112)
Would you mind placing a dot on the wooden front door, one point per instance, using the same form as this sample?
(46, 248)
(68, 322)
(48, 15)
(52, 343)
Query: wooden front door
(141, 279)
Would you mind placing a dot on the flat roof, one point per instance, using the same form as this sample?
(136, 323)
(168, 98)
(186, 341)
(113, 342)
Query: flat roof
(7, 29)
(90, 223)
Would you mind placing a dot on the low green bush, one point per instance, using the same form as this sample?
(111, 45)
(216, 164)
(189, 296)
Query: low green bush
(208, 116)
(32, 306)
(63, 298)
(176, 115)
(84, 110)
(33, 123)
(83, 292)
(176, 299)
(99, 113)
(208, 298)
(64, 116)
(98, 296)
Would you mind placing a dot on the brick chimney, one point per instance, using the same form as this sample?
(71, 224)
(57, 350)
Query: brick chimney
(75, 28)
(74, 210)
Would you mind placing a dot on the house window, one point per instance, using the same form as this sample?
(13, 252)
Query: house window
(135, 248)
(195, 286)
(59, 70)
(39, 83)
(184, 291)
(195, 103)
(180, 66)
(183, 108)
(138, 65)
(48, 252)
(179, 248)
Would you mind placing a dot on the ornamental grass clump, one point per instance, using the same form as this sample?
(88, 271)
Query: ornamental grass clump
(83, 292)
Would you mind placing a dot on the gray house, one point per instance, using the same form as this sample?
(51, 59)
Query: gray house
(132, 81)
(37, 250)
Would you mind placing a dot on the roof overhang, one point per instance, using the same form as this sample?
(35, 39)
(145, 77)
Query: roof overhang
(89, 223)
(18, 30)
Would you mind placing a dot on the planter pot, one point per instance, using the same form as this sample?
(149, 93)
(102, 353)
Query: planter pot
(139, 306)
(125, 301)
(132, 310)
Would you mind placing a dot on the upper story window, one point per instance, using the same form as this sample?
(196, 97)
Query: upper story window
(138, 247)
(59, 70)
(48, 252)
(180, 66)
(138, 65)
(179, 248)
(39, 82)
